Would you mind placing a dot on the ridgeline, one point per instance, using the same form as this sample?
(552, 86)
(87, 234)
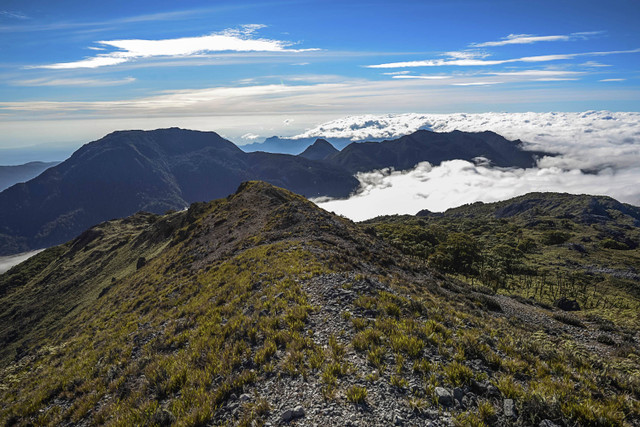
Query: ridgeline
(261, 308)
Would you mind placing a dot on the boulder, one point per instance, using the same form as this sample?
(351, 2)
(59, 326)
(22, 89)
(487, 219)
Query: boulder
(292, 414)
(444, 396)
(458, 394)
(508, 408)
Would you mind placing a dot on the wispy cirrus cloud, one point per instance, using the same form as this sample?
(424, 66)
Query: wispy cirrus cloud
(230, 40)
(80, 82)
(175, 15)
(13, 14)
(537, 73)
(594, 64)
(396, 73)
(530, 38)
(612, 80)
(481, 83)
(422, 77)
(466, 54)
(488, 62)
(489, 78)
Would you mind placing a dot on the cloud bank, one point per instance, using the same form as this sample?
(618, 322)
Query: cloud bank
(590, 140)
(598, 153)
(7, 262)
(457, 182)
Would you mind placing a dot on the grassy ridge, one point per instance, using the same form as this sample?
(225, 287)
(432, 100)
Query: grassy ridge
(208, 304)
(537, 246)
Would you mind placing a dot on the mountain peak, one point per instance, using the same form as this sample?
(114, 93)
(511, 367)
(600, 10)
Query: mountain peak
(319, 150)
(169, 140)
(146, 170)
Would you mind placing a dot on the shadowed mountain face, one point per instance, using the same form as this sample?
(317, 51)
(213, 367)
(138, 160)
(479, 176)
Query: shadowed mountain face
(126, 172)
(261, 308)
(10, 175)
(435, 148)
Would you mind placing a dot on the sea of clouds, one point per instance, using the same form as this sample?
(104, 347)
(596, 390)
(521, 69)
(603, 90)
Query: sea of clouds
(597, 152)
(6, 262)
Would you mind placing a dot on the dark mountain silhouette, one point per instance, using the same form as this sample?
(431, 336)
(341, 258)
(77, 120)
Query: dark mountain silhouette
(321, 149)
(424, 145)
(129, 171)
(10, 175)
(293, 146)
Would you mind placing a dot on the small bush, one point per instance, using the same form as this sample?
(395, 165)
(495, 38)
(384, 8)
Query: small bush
(614, 244)
(356, 394)
(605, 339)
(359, 323)
(458, 374)
(486, 411)
(265, 353)
(489, 303)
(337, 349)
(375, 356)
(392, 310)
(336, 369)
(554, 237)
(366, 339)
(509, 387)
(398, 382)
(423, 366)
(568, 320)
(411, 345)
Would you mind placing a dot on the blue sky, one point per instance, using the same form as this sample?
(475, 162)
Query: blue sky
(73, 71)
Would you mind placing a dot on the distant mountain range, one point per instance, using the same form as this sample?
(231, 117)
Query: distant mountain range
(10, 175)
(130, 171)
(423, 145)
(295, 146)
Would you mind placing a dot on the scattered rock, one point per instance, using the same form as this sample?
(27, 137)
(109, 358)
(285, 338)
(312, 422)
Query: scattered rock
(292, 414)
(566, 304)
(458, 394)
(469, 400)
(508, 408)
(478, 387)
(444, 396)
(493, 391)
(245, 397)
(547, 423)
